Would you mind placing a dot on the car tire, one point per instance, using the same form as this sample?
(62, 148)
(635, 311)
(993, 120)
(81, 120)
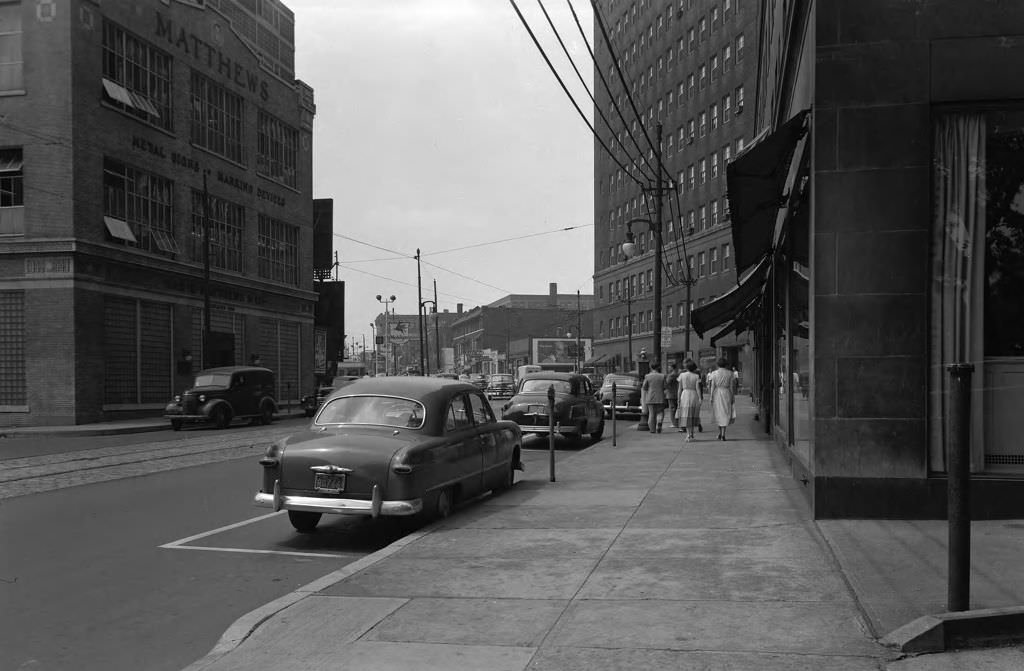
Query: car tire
(175, 425)
(266, 414)
(304, 522)
(596, 435)
(509, 477)
(219, 417)
(444, 504)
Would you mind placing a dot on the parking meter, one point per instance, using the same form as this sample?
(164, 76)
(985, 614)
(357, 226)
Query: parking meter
(551, 430)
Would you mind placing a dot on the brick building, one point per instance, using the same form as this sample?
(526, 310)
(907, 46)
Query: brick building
(487, 339)
(690, 66)
(132, 133)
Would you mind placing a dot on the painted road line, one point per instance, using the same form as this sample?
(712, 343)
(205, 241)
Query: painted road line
(258, 552)
(174, 544)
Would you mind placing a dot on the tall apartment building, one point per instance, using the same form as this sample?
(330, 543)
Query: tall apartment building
(690, 66)
(131, 133)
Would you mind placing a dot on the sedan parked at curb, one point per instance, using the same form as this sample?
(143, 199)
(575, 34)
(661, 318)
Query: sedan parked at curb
(219, 396)
(627, 394)
(398, 446)
(577, 411)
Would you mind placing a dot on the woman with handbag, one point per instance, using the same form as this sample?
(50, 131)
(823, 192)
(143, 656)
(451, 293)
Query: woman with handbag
(720, 389)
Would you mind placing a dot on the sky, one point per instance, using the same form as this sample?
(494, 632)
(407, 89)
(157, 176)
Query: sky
(440, 127)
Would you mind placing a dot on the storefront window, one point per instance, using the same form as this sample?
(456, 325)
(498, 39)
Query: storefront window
(978, 277)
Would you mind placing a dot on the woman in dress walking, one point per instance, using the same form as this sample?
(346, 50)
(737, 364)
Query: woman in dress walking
(689, 398)
(720, 388)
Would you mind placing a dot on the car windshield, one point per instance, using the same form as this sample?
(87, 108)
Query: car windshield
(380, 410)
(213, 380)
(621, 380)
(541, 385)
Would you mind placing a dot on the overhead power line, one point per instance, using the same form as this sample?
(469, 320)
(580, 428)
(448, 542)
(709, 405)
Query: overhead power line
(586, 88)
(569, 95)
(608, 88)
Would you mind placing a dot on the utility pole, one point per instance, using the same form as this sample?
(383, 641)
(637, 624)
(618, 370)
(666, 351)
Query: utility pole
(437, 333)
(658, 244)
(578, 327)
(422, 324)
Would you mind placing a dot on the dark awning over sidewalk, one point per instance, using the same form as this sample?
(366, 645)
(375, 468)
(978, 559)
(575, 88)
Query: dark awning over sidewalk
(756, 180)
(729, 305)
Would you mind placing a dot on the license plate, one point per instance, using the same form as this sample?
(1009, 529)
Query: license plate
(329, 483)
(538, 410)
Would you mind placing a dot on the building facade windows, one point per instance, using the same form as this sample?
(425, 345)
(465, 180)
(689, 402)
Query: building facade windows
(227, 232)
(277, 149)
(10, 47)
(143, 201)
(12, 349)
(12, 192)
(137, 77)
(218, 119)
(277, 245)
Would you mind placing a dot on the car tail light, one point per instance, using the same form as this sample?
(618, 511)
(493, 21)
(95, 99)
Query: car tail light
(402, 469)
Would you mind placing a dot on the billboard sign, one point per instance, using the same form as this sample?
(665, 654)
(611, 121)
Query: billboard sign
(399, 332)
(559, 350)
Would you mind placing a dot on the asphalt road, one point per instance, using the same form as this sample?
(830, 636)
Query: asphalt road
(137, 552)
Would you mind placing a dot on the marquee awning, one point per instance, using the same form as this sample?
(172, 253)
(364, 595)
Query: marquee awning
(731, 304)
(756, 182)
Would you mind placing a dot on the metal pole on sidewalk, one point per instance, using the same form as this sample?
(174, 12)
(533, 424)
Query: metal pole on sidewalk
(551, 431)
(614, 432)
(958, 451)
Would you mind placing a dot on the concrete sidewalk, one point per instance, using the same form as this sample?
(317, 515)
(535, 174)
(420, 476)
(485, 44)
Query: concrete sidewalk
(114, 427)
(655, 554)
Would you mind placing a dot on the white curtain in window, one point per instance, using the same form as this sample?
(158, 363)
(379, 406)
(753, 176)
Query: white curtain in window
(958, 264)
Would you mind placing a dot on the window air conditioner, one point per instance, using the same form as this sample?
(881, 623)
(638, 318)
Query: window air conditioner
(689, 140)
(739, 109)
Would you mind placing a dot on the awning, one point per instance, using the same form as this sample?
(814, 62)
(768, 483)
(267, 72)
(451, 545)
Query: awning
(729, 305)
(756, 180)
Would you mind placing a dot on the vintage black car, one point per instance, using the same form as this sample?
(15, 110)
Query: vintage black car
(577, 411)
(627, 394)
(311, 403)
(221, 395)
(397, 446)
(500, 385)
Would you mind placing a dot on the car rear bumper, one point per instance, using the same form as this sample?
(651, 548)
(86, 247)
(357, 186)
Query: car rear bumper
(338, 506)
(625, 409)
(186, 418)
(544, 428)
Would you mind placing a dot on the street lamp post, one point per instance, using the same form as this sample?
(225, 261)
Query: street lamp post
(387, 329)
(629, 246)
(629, 323)
(373, 330)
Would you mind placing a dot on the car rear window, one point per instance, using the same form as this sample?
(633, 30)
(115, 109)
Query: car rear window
(627, 380)
(541, 385)
(377, 410)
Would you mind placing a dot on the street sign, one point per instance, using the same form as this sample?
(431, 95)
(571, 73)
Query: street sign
(666, 336)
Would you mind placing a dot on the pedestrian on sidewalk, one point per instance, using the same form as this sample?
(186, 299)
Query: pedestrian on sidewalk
(672, 392)
(720, 389)
(690, 398)
(653, 391)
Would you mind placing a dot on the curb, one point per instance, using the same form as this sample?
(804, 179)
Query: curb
(246, 625)
(986, 627)
(50, 432)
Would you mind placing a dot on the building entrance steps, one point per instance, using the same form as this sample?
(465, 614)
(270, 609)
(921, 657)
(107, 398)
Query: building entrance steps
(655, 554)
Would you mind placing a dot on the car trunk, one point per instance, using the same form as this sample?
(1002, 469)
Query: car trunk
(365, 453)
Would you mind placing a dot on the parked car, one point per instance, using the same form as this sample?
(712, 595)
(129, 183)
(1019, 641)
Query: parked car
(479, 379)
(500, 385)
(577, 410)
(627, 394)
(221, 395)
(311, 403)
(391, 446)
